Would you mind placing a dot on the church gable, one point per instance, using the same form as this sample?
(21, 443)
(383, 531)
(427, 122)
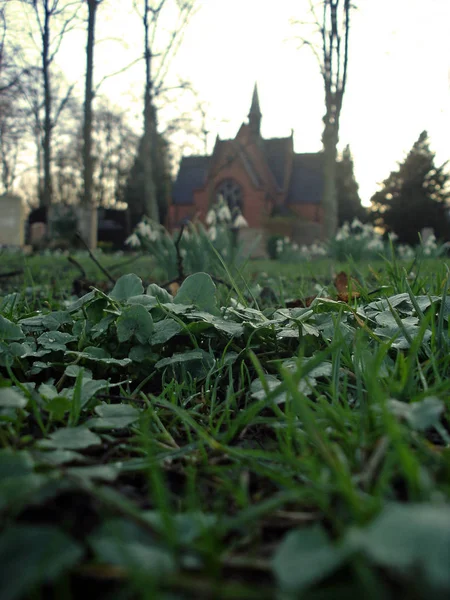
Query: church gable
(261, 175)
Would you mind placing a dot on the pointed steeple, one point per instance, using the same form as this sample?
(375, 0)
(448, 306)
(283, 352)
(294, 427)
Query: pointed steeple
(254, 116)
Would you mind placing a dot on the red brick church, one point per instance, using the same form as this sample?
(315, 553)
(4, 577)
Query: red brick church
(265, 178)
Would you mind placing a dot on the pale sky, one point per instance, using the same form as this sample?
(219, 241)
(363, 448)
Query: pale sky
(398, 74)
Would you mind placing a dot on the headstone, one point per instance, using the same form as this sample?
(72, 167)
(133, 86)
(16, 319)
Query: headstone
(12, 221)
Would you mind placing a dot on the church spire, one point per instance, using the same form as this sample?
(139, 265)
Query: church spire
(254, 116)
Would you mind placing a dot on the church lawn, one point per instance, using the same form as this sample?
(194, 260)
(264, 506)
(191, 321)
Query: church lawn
(226, 443)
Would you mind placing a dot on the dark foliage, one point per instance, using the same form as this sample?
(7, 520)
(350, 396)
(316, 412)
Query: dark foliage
(349, 202)
(414, 196)
(133, 193)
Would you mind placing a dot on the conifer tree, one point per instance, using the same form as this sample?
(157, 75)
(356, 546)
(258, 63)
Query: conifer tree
(414, 196)
(349, 202)
(134, 192)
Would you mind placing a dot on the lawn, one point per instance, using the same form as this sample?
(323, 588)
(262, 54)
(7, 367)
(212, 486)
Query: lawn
(281, 432)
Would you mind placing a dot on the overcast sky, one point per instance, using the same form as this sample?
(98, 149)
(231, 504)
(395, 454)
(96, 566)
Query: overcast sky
(398, 77)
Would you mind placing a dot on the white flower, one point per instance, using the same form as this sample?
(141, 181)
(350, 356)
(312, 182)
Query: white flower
(240, 222)
(356, 223)
(431, 241)
(224, 214)
(141, 226)
(212, 233)
(133, 241)
(393, 236)
(375, 245)
(211, 217)
(294, 246)
(405, 251)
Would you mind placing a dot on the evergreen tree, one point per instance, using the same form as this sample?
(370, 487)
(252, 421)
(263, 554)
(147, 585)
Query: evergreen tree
(133, 193)
(415, 196)
(349, 202)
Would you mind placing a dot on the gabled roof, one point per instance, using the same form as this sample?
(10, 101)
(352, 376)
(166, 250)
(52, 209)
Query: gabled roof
(247, 162)
(306, 184)
(191, 176)
(277, 151)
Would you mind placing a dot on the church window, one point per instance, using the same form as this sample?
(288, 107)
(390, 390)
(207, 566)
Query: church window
(231, 192)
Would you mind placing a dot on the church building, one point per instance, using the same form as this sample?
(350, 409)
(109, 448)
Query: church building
(264, 177)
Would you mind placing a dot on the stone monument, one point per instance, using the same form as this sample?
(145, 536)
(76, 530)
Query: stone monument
(12, 221)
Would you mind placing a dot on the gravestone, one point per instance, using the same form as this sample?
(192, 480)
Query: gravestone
(12, 221)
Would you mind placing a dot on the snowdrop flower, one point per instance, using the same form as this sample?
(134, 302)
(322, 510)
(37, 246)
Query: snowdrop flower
(212, 233)
(294, 246)
(133, 241)
(211, 217)
(375, 244)
(240, 222)
(405, 251)
(356, 224)
(224, 213)
(431, 241)
(153, 236)
(393, 236)
(140, 226)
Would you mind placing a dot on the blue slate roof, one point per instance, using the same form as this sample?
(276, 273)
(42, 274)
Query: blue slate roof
(191, 175)
(276, 151)
(305, 187)
(306, 184)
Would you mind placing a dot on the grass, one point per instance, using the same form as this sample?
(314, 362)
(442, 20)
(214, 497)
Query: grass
(226, 443)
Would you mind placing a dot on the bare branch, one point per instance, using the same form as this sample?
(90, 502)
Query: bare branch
(122, 70)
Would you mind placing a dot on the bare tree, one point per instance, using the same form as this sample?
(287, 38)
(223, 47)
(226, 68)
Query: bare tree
(54, 19)
(88, 167)
(157, 62)
(334, 28)
(12, 130)
(12, 123)
(114, 144)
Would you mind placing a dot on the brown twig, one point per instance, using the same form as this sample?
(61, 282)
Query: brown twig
(181, 275)
(102, 269)
(78, 266)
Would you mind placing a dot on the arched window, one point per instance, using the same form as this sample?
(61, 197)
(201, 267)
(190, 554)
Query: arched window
(231, 192)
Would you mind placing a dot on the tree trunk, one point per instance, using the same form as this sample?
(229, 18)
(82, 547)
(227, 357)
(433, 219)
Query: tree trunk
(88, 199)
(329, 196)
(335, 33)
(150, 200)
(47, 142)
